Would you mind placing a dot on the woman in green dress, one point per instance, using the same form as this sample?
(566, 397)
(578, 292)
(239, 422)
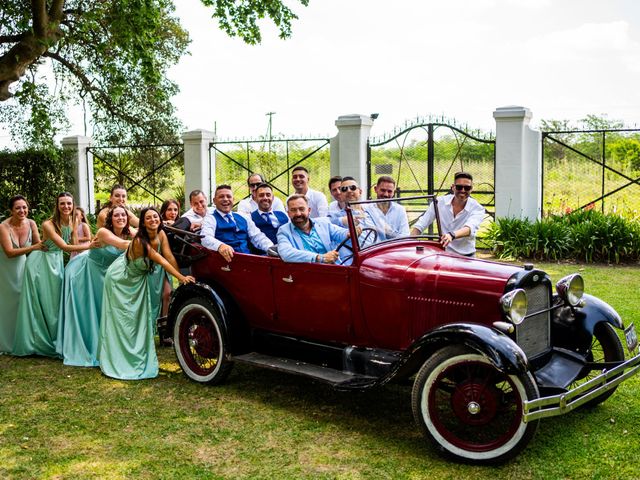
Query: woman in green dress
(79, 325)
(39, 308)
(18, 237)
(126, 348)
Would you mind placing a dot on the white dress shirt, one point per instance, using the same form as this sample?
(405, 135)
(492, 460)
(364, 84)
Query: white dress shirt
(248, 205)
(471, 216)
(392, 224)
(256, 237)
(317, 203)
(194, 217)
(334, 207)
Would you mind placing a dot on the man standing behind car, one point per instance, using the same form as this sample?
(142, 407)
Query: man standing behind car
(198, 211)
(227, 232)
(266, 218)
(307, 240)
(460, 217)
(317, 201)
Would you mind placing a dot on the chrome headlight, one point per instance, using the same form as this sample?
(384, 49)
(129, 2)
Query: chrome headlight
(570, 289)
(514, 305)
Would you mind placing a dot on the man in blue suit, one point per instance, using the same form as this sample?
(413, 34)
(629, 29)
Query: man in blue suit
(227, 232)
(307, 240)
(265, 217)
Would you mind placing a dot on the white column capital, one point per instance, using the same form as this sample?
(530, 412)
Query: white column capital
(77, 141)
(197, 136)
(354, 120)
(512, 112)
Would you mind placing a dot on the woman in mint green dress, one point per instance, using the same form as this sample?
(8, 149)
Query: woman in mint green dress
(79, 325)
(18, 237)
(126, 348)
(39, 307)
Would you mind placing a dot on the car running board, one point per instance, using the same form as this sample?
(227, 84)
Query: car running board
(337, 378)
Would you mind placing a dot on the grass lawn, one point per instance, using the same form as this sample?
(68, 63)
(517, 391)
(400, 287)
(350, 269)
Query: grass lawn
(64, 422)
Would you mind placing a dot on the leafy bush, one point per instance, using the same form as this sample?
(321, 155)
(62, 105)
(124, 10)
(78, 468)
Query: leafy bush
(586, 235)
(39, 175)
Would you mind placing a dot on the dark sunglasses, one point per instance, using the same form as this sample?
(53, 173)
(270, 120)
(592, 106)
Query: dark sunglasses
(466, 188)
(254, 185)
(353, 188)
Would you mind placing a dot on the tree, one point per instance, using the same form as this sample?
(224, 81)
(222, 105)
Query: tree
(111, 56)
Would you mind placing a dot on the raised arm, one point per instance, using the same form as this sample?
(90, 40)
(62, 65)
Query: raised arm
(49, 232)
(107, 237)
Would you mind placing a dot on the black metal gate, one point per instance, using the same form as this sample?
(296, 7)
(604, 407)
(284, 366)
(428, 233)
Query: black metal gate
(274, 159)
(424, 156)
(150, 173)
(591, 169)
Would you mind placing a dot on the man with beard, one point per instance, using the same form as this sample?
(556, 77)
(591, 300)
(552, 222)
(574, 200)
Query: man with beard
(389, 218)
(265, 217)
(307, 240)
(227, 232)
(250, 204)
(460, 217)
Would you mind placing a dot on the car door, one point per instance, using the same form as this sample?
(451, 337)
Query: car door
(313, 301)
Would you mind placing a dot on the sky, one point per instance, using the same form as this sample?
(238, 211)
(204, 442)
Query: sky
(562, 59)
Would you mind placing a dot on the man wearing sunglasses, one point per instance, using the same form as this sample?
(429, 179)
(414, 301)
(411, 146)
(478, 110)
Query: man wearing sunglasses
(250, 204)
(460, 217)
(349, 192)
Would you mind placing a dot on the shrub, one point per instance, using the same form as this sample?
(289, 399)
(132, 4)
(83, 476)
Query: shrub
(586, 235)
(39, 175)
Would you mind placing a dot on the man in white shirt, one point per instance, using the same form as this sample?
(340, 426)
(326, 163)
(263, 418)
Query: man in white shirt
(460, 217)
(317, 201)
(250, 204)
(198, 210)
(390, 218)
(227, 232)
(334, 188)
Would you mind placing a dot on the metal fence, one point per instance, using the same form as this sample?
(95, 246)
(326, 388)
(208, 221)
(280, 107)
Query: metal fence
(424, 156)
(591, 169)
(150, 173)
(274, 159)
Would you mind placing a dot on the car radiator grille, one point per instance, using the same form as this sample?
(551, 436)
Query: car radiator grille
(533, 335)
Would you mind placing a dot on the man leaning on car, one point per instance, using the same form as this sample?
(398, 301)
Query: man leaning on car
(460, 217)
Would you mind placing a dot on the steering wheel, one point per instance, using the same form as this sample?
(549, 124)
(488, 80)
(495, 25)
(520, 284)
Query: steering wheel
(369, 231)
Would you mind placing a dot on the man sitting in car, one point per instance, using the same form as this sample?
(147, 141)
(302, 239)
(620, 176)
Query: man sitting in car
(389, 218)
(265, 217)
(307, 240)
(349, 192)
(227, 232)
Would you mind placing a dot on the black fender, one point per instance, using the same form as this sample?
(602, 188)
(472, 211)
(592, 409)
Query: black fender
(501, 350)
(193, 290)
(596, 311)
(572, 328)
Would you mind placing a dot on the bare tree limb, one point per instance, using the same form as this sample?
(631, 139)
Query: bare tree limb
(40, 17)
(12, 38)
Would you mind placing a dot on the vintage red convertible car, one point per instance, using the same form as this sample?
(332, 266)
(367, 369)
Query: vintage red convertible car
(491, 348)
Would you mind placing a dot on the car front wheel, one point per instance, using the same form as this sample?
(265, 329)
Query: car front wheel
(471, 410)
(198, 337)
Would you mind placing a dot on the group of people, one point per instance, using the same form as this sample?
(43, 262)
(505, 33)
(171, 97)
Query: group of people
(100, 309)
(309, 229)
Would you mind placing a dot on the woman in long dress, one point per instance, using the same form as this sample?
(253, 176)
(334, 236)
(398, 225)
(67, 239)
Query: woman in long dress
(79, 326)
(127, 349)
(39, 308)
(118, 198)
(83, 231)
(18, 237)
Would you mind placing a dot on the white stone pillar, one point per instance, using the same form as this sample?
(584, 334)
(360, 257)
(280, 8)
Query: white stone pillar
(199, 172)
(518, 164)
(351, 148)
(83, 194)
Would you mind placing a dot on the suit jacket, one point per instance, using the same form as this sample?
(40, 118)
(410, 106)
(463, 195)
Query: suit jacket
(291, 246)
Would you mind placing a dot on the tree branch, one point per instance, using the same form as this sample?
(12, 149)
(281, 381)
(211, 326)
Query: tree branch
(12, 38)
(40, 17)
(56, 12)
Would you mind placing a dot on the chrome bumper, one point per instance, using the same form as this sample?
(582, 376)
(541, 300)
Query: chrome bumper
(565, 402)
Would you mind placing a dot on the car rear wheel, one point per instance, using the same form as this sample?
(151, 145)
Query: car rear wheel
(198, 337)
(605, 347)
(471, 410)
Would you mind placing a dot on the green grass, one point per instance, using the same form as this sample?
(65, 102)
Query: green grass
(59, 422)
